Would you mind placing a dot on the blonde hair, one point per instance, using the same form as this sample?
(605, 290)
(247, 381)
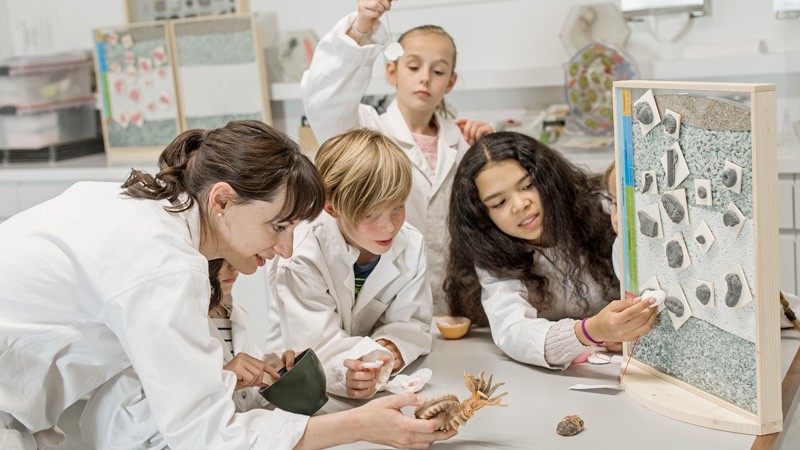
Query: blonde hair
(607, 174)
(442, 107)
(363, 171)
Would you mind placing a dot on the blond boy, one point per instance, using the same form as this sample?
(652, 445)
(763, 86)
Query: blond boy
(355, 289)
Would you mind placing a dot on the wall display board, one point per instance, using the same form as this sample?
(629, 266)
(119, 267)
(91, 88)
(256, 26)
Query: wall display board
(219, 65)
(137, 87)
(698, 211)
(149, 10)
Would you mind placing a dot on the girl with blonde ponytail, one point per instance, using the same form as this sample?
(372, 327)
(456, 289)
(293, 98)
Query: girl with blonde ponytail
(101, 279)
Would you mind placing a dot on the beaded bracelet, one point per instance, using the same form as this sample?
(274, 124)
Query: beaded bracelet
(583, 328)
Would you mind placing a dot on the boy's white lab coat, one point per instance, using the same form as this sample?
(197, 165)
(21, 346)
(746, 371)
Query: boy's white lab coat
(316, 304)
(332, 88)
(95, 282)
(118, 414)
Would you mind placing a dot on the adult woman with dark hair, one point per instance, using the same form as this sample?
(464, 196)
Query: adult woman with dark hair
(101, 278)
(530, 253)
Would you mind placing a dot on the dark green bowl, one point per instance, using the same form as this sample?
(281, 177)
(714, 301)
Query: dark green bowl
(300, 390)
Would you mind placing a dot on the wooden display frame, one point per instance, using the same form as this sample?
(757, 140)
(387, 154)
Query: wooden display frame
(133, 153)
(202, 25)
(656, 389)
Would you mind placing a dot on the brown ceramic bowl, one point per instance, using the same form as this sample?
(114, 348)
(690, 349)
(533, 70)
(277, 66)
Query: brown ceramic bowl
(452, 327)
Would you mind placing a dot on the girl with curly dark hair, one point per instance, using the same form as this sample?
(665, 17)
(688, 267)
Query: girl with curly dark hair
(530, 254)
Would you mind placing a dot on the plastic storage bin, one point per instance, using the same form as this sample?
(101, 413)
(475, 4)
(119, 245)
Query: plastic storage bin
(38, 127)
(31, 81)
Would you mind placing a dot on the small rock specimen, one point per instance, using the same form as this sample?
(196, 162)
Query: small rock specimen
(569, 426)
(703, 293)
(734, 289)
(673, 207)
(700, 239)
(669, 123)
(648, 180)
(674, 254)
(671, 161)
(674, 305)
(644, 113)
(702, 193)
(730, 218)
(647, 225)
(729, 177)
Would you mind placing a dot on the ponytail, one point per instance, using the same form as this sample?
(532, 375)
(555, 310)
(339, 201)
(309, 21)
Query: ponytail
(169, 181)
(256, 160)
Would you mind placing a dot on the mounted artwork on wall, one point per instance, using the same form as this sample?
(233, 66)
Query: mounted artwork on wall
(713, 356)
(137, 87)
(219, 65)
(149, 10)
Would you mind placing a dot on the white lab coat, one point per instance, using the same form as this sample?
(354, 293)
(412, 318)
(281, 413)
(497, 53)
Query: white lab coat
(118, 415)
(317, 307)
(332, 88)
(517, 327)
(95, 282)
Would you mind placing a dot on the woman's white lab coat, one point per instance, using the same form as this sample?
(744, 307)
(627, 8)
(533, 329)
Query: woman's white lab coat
(332, 88)
(314, 295)
(95, 282)
(118, 415)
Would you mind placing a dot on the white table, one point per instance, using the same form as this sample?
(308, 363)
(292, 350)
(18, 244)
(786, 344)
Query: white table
(539, 398)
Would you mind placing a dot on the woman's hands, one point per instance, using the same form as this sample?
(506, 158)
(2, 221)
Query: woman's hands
(385, 424)
(621, 320)
(379, 421)
(369, 12)
(361, 382)
(250, 371)
(473, 129)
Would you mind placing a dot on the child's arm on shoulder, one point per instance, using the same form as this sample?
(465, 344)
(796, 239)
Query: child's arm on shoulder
(406, 321)
(338, 77)
(473, 129)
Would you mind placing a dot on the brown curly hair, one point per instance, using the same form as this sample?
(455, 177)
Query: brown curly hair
(575, 223)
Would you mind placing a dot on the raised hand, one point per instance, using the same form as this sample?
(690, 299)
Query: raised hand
(473, 129)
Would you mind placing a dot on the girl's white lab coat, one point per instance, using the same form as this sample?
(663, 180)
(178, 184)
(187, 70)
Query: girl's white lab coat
(95, 282)
(517, 327)
(332, 88)
(118, 415)
(314, 295)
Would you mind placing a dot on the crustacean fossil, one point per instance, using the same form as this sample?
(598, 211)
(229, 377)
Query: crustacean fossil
(458, 413)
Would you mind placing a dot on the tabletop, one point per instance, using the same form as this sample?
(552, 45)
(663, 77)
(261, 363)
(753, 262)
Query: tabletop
(539, 398)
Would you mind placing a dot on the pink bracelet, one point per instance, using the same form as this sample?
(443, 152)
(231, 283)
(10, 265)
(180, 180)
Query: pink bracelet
(583, 328)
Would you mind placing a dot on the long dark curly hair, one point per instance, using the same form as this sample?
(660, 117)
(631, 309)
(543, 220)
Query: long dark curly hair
(576, 226)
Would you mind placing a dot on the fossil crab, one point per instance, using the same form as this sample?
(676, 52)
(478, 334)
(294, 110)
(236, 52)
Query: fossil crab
(458, 413)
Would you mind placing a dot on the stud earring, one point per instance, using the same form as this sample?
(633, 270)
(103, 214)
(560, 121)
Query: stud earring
(219, 214)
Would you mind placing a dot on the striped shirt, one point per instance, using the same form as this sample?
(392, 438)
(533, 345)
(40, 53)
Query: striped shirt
(362, 272)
